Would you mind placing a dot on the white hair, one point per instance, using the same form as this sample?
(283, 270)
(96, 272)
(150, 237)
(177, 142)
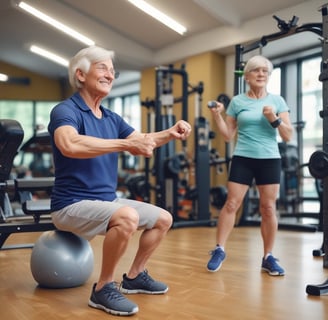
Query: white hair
(258, 62)
(83, 60)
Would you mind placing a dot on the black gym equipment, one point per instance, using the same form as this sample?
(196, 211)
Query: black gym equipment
(318, 163)
(317, 290)
(164, 118)
(189, 202)
(33, 215)
(251, 200)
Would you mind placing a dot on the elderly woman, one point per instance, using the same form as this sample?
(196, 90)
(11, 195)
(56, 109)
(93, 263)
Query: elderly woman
(256, 117)
(86, 140)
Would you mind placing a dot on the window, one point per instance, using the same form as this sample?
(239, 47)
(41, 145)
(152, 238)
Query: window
(311, 93)
(128, 107)
(303, 93)
(311, 97)
(274, 85)
(22, 111)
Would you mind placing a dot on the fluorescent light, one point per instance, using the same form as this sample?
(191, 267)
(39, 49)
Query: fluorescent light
(160, 16)
(49, 55)
(3, 77)
(55, 23)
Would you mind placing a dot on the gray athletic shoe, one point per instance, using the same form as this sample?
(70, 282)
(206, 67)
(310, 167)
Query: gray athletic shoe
(143, 283)
(111, 300)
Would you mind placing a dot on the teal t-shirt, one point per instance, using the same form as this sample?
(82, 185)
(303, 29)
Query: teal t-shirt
(256, 137)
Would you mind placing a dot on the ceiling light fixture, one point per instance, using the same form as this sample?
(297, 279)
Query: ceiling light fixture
(3, 77)
(160, 16)
(49, 55)
(55, 23)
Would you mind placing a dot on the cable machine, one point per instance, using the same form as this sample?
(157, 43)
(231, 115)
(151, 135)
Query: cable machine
(164, 100)
(169, 164)
(318, 164)
(171, 169)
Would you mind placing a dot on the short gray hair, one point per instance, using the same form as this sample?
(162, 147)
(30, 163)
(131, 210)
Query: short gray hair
(258, 62)
(83, 60)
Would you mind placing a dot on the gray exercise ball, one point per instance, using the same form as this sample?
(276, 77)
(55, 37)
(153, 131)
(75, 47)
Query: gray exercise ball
(61, 260)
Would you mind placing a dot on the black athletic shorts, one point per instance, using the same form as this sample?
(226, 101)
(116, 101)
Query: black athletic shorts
(265, 171)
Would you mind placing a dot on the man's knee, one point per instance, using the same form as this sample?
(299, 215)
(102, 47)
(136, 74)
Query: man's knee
(165, 220)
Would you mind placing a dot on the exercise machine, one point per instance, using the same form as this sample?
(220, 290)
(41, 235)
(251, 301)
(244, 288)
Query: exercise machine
(186, 196)
(318, 165)
(34, 214)
(170, 189)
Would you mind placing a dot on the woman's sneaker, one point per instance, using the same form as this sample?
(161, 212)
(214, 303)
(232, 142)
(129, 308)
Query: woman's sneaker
(271, 266)
(215, 263)
(143, 283)
(111, 300)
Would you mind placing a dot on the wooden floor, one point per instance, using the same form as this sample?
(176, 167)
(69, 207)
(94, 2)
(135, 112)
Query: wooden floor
(237, 291)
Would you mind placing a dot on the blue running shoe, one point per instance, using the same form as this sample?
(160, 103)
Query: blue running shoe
(218, 255)
(271, 266)
(111, 300)
(143, 283)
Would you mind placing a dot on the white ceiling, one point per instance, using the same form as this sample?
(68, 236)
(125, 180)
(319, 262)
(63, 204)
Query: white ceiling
(138, 40)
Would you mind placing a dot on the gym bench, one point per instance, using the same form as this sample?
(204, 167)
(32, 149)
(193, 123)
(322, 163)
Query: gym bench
(31, 215)
(36, 213)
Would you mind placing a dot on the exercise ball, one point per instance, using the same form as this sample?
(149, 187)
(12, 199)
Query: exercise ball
(61, 260)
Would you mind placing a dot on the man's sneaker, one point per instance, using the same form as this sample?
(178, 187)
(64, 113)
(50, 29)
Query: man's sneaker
(111, 300)
(271, 266)
(143, 283)
(215, 263)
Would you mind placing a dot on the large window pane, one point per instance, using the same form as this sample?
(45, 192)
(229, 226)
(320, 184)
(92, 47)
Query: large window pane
(311, 105)
(22, 111)
(132, 111)
(128, 107)
(274, 84)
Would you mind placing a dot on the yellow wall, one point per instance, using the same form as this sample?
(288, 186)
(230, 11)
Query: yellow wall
(208, 68)
(40, 88)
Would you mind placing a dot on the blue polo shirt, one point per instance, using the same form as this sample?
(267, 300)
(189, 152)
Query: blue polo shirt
(256, 137)
(85, 179)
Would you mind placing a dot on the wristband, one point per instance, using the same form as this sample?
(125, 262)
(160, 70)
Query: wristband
(276, 123)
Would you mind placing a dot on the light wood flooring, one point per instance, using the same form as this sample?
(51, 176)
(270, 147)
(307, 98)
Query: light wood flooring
(237, 291)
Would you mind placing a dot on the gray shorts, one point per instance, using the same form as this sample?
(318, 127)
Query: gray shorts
(88, 218)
